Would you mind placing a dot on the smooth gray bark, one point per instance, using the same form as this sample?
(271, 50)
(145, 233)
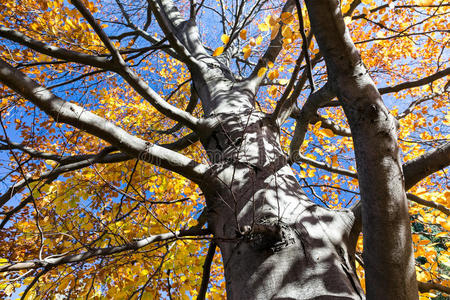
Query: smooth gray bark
(385, 218)
(275, 242)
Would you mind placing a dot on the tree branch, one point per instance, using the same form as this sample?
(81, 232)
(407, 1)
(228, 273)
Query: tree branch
(99, 31)
(138, 84)
(72, 114)
(432, 204)
(328, 124)
(309, 109)
(174, 26)
(324, 166)
(414, 83)
(70, 164)
(427, 286)
(56, 260)
(56, 52)
(418, 168)
(206, 271)
(271, 53)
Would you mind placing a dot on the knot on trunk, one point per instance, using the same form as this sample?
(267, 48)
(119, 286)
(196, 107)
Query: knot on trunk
(268, 235)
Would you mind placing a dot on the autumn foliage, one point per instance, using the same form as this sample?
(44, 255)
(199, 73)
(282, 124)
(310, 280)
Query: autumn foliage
(67, 192)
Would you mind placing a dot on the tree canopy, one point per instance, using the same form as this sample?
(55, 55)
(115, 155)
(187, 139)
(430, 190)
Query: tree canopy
(104, 121)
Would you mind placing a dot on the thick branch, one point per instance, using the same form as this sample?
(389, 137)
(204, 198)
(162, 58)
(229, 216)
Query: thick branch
(308, 111)
(428, 286)
(174, 26)
(76, 116)
(418, 168)
(373, 129)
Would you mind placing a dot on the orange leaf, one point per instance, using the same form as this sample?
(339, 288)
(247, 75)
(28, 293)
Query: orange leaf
(243, 34)
(262, 71)
(218, 51)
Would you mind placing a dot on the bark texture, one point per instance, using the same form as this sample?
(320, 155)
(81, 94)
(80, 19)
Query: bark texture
(276, 243)
(385, 218)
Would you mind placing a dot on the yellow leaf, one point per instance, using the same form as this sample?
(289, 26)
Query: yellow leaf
(263, 27)
(9, 290)
(218, 51)
(243, 34)
(247, 51)
(225, 39)
(262, 71)
(334, 161)
(425, 2)
(446, 224)
(3, 261)
(270, 64)
(273, 91)
(287, 18)
(273, 74)
(327, 132)
(441, 234)
(271, 21)
(286, 32)
(259, 40)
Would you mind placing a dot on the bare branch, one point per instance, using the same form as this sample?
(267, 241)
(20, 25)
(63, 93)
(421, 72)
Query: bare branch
(67, 164)
(30, 151)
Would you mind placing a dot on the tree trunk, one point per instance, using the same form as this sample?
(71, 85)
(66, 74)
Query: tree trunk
(388, 253)
(275, 243)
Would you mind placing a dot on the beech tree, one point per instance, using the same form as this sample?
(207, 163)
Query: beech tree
(253, 149)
